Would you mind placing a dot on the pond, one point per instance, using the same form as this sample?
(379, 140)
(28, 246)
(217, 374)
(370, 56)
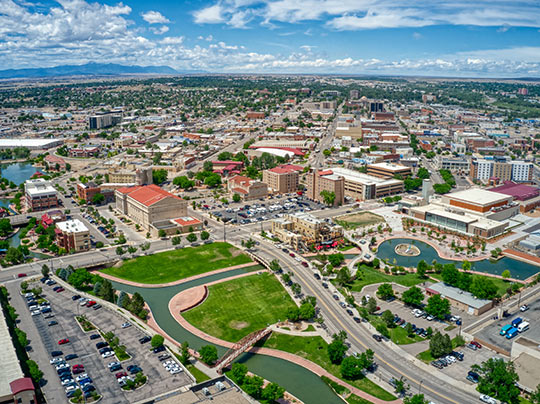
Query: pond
(300, 382)
(518, 269)
(18, 172)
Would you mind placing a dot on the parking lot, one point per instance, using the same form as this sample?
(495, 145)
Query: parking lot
(261, 210)
(64, 310)
(491, 334)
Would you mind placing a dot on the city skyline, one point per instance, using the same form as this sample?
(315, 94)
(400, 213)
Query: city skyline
(478, 39)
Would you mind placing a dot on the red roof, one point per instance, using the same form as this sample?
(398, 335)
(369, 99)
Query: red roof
(190, 222)
(127, 190)
(240, 191)
(22, 384)
(286, 168)
(227, 162)
(240, 179)
(327, 172)
(150, 194)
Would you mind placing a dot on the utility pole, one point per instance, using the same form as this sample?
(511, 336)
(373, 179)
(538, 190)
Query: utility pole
(224, 233)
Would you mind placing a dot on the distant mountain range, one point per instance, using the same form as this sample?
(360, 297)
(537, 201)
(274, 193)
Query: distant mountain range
(88, 69)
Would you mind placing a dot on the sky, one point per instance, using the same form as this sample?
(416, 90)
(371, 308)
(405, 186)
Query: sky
(475, 38)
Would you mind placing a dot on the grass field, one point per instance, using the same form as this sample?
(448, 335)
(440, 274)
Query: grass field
(354, 220)
(199, 375)
(236, 308)
(170, 266)
(315, 350)
(366, 275)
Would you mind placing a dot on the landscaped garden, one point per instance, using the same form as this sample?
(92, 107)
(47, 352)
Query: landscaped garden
(315, 349)
(236, 308)
(173, 265)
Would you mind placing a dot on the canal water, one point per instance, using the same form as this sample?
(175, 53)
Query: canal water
(305, 385)
(518, 269)
(18, 172)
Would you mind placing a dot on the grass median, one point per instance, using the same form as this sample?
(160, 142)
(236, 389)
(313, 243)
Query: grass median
(236, 308)
(170, 266)
(315, 350)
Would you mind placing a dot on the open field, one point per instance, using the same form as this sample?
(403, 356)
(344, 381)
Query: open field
(170, 266)
(354, 220)
(236, 308)
(367, 275)
(315, 350)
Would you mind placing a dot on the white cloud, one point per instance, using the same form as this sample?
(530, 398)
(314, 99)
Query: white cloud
(170, 40)
(159, 31)
(209, 15)
(154, 17)
(372, 14)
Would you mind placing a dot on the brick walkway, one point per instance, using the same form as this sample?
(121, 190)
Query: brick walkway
(178, 282)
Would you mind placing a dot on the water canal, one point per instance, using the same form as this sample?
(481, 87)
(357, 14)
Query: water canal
(18, 172)
(300, 382)
(518, 269)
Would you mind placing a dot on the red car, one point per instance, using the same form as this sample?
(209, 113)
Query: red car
(63, 341)
(292, 255)
(21, 275)
(304, 263)
(59, 290)
(120, 374)
(78, 370)
(77, 367)
(90, 303)
(476, 344)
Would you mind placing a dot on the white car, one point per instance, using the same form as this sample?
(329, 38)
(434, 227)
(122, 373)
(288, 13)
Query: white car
(33, 307)
(110, 365)
(126, 325)
(487, 399)
(81, 377)
(70, 388)
(430, 318)
(36, 312)
(175, 371)
(524, 308)
(83, 302)
(62, 366)
(55, 361)
(107, 354)
(450, 359)
(67, 381)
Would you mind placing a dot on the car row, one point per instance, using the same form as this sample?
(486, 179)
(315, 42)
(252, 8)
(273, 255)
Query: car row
(448, 359)
(172, 367)
(68, 380)
(417, 330)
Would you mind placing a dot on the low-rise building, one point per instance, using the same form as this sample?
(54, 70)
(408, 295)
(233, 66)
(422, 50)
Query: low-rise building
(140, 176)
(460, 299)
(525, 355)
(73, 235)
(55, 163)
(282, 179)
(320, 182)
(360, 186)
(388, 170)
(40, 195)
(300, 227)
(247, 188)
(527, 196)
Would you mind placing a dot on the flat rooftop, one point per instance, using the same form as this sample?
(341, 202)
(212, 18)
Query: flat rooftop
(389, 166)
(478, 196)
(72, 226)
(27, 142)
(10, 369)
(357, 176)
(458, 295)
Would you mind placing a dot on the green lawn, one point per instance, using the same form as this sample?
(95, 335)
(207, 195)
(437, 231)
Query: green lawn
(353, 399)
(198, 374)
(170, 266)
(398, 335)
(315, 350)
(235, 308)
(366, 275)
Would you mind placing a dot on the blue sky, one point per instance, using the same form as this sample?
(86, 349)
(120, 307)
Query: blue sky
(484, 38)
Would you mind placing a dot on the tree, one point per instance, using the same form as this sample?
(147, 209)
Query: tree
(306, 311)
(236, 198)
(416, 399)
(438, 307)
(336, 350)
(388, 318)
(274, 266)
(383, 330)
(205, 235)
(208, 166)
(14, 255)
(106, 291)
(336, 259)
(98, 199)
(183, 182)
(329, 197)
(483, 288)
(385, 291)
(80, 278)
(208, 354)
(535, 396)
(343, 276)
(413, 296)
(272, 392)
(136, 305)
(497, 379)
(422, 268)
(238, 372)
(123, 299)
(159, 176)
(191, 237)
(35, 373)
(250, 243)
(120, 251)
(450, 274)
(157, 341)
(466, 265)
(185, 355)
(21, 337)
(45, 270)
(253, 386)
(506, 274)
(5, 227)
(293, 314)
(440, 345)
(400, 387)
(371, 305)
(350, 368)
(212, 180)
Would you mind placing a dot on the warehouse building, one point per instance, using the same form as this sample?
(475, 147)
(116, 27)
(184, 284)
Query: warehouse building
(460, 299)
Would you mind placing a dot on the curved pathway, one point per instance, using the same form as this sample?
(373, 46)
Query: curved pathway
(178, 301)
(173, 283)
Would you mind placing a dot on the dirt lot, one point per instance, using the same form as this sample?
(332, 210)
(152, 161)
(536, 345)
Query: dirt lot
(355, 220)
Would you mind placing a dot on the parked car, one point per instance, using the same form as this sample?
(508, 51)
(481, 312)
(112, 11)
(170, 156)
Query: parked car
(159, 349)
(145, 339)
(473, 376)
(524, 308)
(21, 275)
(377, 337)
(134, 369)
(75, 297)
(97, 307)
(94, 336)
(63, 341)
(487, 399)
(102, 344)
(56, 353)
(476, 344)
(126, 325)
(71, 356)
